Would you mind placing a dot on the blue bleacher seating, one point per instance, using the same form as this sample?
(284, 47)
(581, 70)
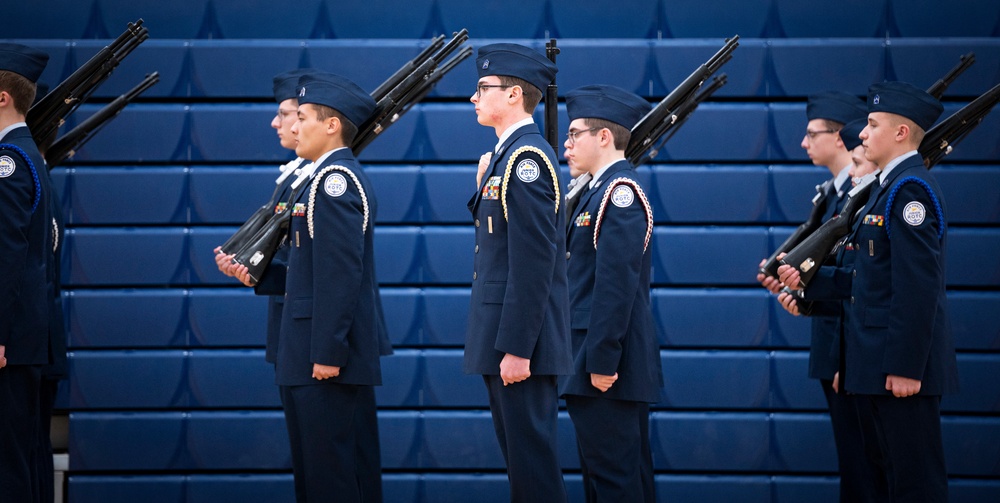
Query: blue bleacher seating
(169, 396)
(926, 18)
(801, 67)
(727, 379)
(856, 19)
(801, 443)
(706, 256)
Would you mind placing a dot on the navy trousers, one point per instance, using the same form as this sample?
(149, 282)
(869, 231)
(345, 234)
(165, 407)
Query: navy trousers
(612, 437)
(905, 436)
(524, 417)
(19, 409)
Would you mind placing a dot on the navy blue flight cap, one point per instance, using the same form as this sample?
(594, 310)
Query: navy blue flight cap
(338, 93)
(904, 99)
(516, 61)
(606, 102)
(835, 106)
(849, 133)
(25, 61)
(286, 84)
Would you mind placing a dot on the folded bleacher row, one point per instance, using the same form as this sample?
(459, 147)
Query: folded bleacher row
(213, 19)
(774, 68)
(169, 397)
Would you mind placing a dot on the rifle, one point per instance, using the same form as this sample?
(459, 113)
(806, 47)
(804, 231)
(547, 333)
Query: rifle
(809, 255)
(552, 100)
(427, 85)
(928, 150)
(964, 62)
(681, 115)
(69, 143)
(940, 139)
(407, 68)
(389, 109)
(821, 201)
(663, 116)
(46, 116)
(260, 217)
(256, 254)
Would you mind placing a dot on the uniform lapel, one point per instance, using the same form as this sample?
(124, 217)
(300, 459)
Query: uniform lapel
(494, 162)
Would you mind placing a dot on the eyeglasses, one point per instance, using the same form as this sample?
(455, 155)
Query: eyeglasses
(813, 134)
(282, 113)
(571, 136)
(482, 87)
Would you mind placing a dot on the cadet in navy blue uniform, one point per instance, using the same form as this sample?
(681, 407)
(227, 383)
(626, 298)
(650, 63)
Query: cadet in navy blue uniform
(25, 255)
(328, 349)
(617, 372)
(899, 357)
(272, 283)
(827, 113)
(518, 335)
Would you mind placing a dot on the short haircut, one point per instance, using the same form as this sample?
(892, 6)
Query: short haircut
(20, 89)
(348, 129)
(619, 132)
(833, 125)
(916, 132)
(531, 95)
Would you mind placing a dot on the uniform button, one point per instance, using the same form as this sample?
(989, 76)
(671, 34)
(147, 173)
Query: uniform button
(567, 255)
(477, 222)
(854, 273)
(852, 299)
(473, 275)
(477, 248)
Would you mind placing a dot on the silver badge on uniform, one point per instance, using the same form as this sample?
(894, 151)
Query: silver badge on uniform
(6, 166)
(486, 64)
(527, 170)
(335, 185)
(914, 213)
(622, 196)
(875, 100)
(302, 91)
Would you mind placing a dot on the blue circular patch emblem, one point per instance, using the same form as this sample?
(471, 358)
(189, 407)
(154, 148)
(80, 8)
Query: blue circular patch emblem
(914, 213)
(622, 196)
(528, 171)
(335, 185)
(6, 166)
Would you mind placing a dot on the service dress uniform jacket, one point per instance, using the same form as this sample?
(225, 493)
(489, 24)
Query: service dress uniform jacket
(827, 317)
(26, 249)
(25, 303)
(520, 299)
(272, 283)
(331, 312)
(609, 264)
(897, 316)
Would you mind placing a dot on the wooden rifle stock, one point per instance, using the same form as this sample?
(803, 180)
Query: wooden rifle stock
(938, 88)
(809, 255)
(821, 201)
(67, 145)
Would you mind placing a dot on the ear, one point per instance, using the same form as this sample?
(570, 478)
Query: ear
(515, 93)
(333, 125)
(902, 132)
